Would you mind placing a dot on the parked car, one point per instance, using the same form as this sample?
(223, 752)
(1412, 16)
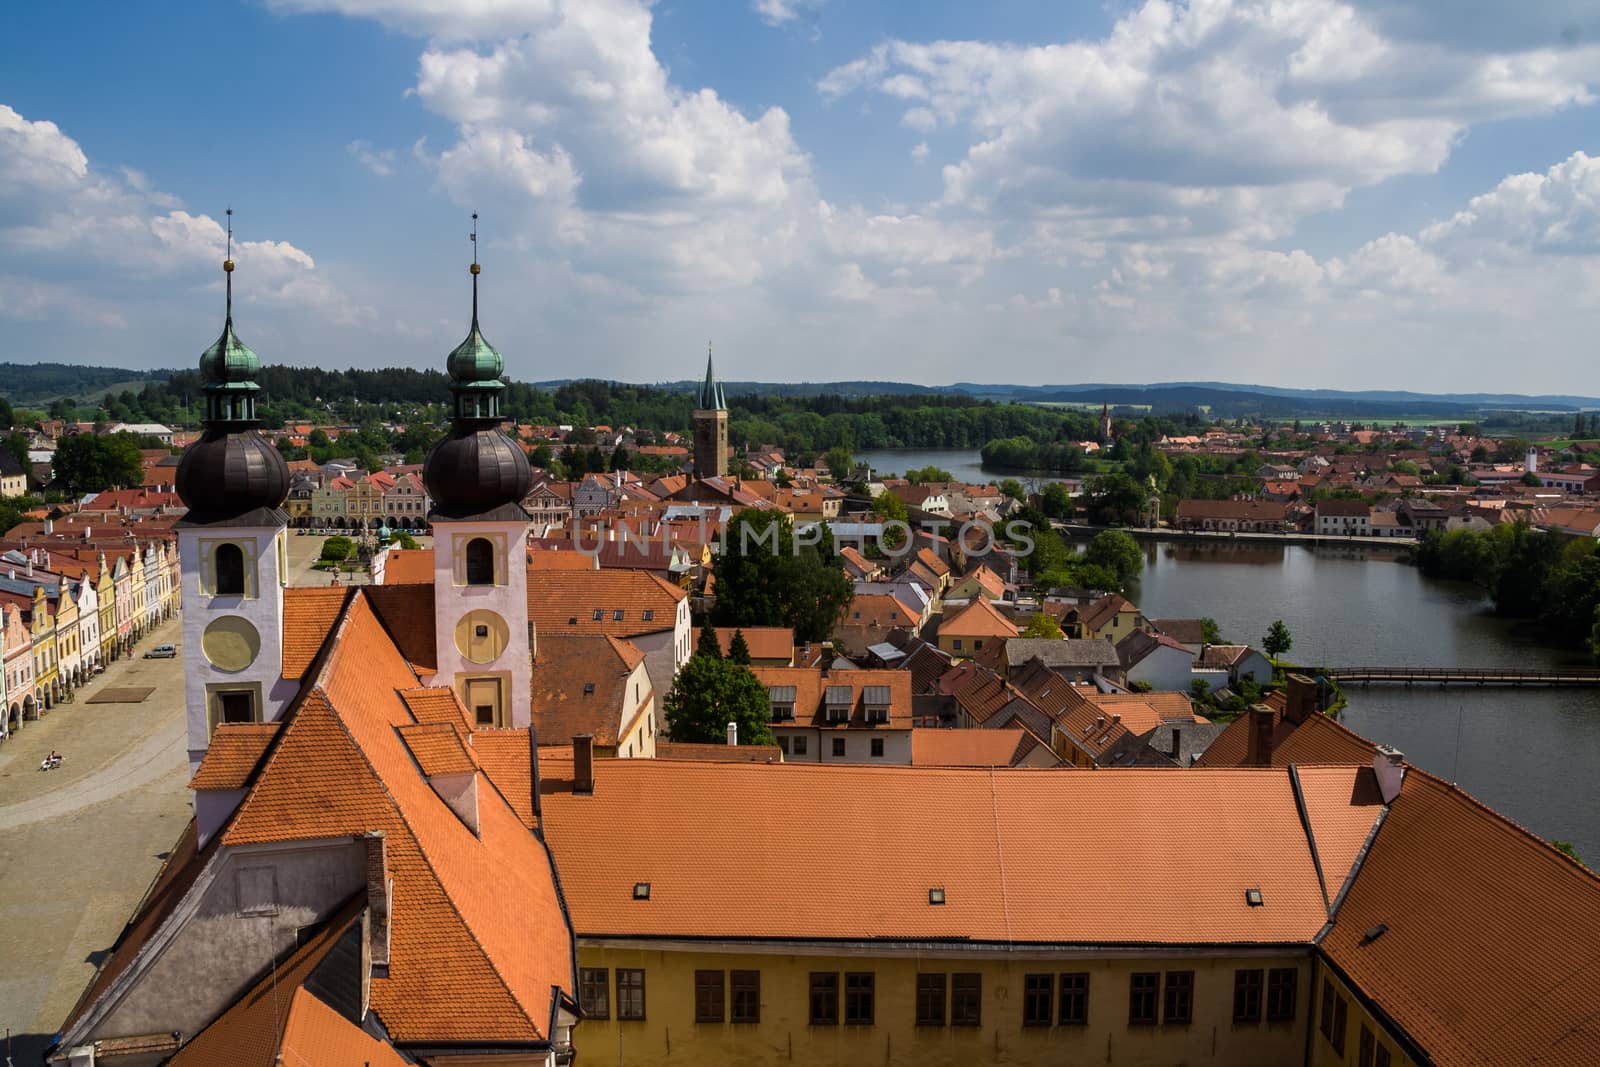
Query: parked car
(162, 652)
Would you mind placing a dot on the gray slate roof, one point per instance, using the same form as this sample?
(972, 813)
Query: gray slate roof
(1054, 653)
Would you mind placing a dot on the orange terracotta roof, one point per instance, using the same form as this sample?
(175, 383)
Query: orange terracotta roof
(235, 750)
(437, 704)
(408, 566)
(308, 617)
(1009, 855)
(437, 748)
(563, 560)
(563, 602)
(812, 692)
(406, 611)
(683, 750)
(965, 748)
(477, 935)
(1489, 951)
(1319, 739)
(506, 757)
(765, 642)
(580, 686)
(978, 619)
(1342, 803)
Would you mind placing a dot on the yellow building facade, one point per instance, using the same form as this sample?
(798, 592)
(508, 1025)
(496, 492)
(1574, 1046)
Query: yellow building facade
(1344, 1032)
(996, 1007)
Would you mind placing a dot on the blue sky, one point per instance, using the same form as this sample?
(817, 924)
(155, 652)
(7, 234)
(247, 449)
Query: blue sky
(1346, 193)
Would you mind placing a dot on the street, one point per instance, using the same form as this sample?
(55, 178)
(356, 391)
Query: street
(80, 845)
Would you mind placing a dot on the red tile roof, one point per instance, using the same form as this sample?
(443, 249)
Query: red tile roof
(580, 686)
(408, 565)
(978, 619)
(437, 748)
(562, 602)
(235, 750)
(1489, 951)
(308, 617)
(965, 748)
(812, 693)
(1009, 864)
(765, 642)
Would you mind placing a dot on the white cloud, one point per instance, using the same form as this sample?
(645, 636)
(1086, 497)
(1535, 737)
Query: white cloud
(379, 162)
(920, 151)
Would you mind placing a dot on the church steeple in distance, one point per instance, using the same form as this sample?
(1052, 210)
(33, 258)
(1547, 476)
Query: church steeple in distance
(710, 426)
(231, 470)
(476, 469)
(711, 398)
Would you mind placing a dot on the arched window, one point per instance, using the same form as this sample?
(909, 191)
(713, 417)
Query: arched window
(480, 562)
(229, 570)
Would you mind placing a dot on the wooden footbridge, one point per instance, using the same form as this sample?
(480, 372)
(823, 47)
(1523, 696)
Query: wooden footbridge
(1506, 676)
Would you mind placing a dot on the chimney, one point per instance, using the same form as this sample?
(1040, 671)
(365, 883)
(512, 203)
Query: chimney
(1177, 734)
(733, 734)
(1116, 719)
(1302, 698)
(1259, 753)
(1389, 764)
(583, 764)
(378, 886)
(49, 526)
(86, 532)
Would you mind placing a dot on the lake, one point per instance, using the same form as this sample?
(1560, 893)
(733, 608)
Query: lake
(1532, 754)
(965, 463)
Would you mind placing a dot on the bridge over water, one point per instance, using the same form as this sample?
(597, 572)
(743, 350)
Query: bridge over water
(1482, 676)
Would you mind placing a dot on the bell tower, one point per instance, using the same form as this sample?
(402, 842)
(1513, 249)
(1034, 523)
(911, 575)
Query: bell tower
(477, 477)
(231, 547)
(710, 427)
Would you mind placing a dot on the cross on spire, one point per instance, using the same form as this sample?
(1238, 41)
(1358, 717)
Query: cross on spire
(227, 266)
(473, 236)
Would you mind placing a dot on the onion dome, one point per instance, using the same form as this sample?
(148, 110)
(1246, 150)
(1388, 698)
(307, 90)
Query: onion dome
(231, 471)
(476, 469)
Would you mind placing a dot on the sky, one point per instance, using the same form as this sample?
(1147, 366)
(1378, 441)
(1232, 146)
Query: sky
(1325, 193)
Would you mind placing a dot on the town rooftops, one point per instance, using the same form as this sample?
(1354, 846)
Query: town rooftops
(764, 642)
(619, 602)
(845, 699)
(580, 684)
(1054, 652)
(967, 748)
(1339, 508)
(978, 619)
(235, 750)
(1066, 851)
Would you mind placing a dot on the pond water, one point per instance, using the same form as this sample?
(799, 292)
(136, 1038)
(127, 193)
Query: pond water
(1532, 754)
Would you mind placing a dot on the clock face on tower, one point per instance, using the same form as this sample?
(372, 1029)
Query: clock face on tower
(481, 636)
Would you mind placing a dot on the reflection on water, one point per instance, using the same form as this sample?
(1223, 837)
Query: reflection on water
(1533, 754)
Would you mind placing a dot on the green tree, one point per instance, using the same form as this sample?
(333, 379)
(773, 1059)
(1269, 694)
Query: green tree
(1532, 479)
(1565, 847)
(619, 458)
(89, 463)
(739, 649)
(337, 549)
(1012, 488)
(541, 456)
(1277, 640)
(1113, 498)
(708, 645)
(767, 576)
(1118, 552)
(8, 416)
(839, 461)
(1594, 634)
(401, 539)
(1055, 501)
(708, 694)
(891, 508)
(930, 473)
(1210, 632)
(1042, 625)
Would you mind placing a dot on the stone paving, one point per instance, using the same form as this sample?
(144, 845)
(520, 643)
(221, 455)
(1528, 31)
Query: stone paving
(80, 845)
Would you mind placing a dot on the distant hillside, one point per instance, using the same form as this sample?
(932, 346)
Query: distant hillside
(35, 384)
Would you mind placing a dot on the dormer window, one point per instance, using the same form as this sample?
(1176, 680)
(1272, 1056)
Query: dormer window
(616, 616)
(649, 614)
(838, 699)
(781, 698)
(599, 613)
(876, 698)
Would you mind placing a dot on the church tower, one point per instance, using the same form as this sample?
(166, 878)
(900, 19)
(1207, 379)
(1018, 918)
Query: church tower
(711, 427)
(1105, 422)
(477, 477)
(232, 548)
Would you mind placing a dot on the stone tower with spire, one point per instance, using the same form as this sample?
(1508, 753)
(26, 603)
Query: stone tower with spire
(1105, 422)
(232, 547)
(710, 427)
(477, 478)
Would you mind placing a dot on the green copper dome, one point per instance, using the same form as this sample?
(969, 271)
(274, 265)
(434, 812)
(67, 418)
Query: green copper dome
(475, 360)
(228, 359)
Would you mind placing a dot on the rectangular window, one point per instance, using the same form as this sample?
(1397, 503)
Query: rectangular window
(858, 998)
(594, 992)
(630, 993)
(1281, 985)
(1326, 1024)
(838, 746)
(930, 999)
(1038, 991)
(824, 998)
(966, 1000)
(956, 642)
(1382, 1059)
(616, 616)
(877, 746)
(1247, 996)
(1075, 999)
(1179, 1006)
(1142, 990)
(236, 706)
(1340, 1007)
(746, 1000)
(800, 745)
(599, 613)
(708, 996)
(783, 744)
(1364, 1053)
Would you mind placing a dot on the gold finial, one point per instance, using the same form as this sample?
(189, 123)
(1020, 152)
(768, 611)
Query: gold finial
(227, 264)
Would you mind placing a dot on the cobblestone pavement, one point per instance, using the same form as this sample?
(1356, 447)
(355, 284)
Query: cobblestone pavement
(80, 845)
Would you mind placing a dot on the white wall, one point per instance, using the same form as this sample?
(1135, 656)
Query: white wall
(1164, 668)
(508, 598)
